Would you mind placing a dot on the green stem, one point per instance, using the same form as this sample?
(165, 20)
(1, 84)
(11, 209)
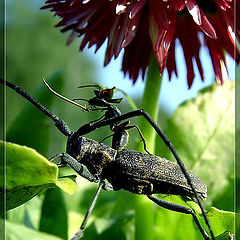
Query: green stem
(150, 103)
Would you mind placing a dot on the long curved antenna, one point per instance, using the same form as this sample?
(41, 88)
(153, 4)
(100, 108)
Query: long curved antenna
(91, 85)
(80, 99)
(64, 98)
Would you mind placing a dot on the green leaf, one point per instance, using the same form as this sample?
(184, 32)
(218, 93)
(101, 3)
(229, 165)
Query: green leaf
(19, 195)
(54, 219)
(117, 227)
(31, 126)
(67, 184)
(19, 232)
(221, 221)
(225, 236)
(184, 225)
(29, 173)
(202, 131)
(225, 199)
(175, 225)
(26, 167)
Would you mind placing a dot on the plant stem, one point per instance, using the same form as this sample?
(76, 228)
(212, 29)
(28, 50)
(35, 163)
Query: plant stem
(150, 103)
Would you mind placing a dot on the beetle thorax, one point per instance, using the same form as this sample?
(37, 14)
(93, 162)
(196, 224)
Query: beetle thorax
(95, 156)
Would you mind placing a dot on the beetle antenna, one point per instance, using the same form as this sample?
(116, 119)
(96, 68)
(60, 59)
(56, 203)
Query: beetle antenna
(80, 99)
(64, 98)
(91, 85)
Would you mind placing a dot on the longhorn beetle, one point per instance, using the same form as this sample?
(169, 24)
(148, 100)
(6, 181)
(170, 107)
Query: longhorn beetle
(126, 169)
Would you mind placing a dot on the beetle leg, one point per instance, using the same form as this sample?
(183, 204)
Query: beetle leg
(105, 138)
(107, 186)
(178, 208)
(80, 169)
(141, 136)
(78, 234)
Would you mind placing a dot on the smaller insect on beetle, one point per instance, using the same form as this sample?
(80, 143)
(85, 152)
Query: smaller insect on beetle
(102, 102)
(136, 172)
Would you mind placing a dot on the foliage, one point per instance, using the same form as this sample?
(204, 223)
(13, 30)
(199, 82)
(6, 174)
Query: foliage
(202, 131)
(28, 174)
(16, 231)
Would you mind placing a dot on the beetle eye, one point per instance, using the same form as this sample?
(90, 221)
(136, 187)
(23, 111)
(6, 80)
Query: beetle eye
(106, 93)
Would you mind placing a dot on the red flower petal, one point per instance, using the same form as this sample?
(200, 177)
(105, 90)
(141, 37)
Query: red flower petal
(137, 6)
(131, 29)
(194, 11)
(162, 45)
(207, 27)
(216, 56)
(158, 10)
(177, 5)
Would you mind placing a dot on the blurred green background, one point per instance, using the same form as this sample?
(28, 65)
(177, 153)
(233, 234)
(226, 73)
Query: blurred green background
(36, 49)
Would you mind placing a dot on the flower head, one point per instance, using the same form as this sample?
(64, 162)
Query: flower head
(141, 27)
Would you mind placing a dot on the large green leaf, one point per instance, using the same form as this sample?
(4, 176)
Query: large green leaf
(221, 221)
(27, 174)
(25, 165)
(202, 131)
(27, 214)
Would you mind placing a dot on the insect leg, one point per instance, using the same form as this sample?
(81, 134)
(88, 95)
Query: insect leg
(141, 136)
(80, 169)
(98, 119)
(78, 234)
(181, 209)
(60, 124)
(106, 138)
(75, 165)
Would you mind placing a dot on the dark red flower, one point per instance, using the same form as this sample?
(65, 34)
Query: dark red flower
(142, 26)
